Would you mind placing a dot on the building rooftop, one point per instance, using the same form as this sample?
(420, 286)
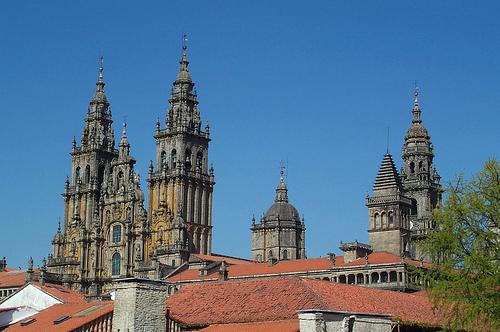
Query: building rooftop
(291, 325)
(78, 314)
(237, 269)
(236, 301)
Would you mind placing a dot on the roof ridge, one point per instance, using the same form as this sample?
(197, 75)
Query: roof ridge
(320, 299)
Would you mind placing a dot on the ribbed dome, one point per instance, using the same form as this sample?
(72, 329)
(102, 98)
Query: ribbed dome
(285, 211)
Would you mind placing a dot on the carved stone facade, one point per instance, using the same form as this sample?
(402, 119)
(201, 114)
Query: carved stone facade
(280, 235)
(107, 233)
(400, 210)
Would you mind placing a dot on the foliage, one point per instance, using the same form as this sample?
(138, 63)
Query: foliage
(465, 248)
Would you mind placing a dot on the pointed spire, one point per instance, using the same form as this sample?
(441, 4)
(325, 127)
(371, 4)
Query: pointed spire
(99, 96)
(387, 177)
(281, 190)
(184, 75)
(124, 140)
(416, 108)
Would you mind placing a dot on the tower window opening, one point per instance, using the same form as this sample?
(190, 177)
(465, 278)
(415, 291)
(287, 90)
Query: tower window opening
(117, 234)
(120, 179)
(173, 158)
(285, 254)
(100, 174)
(163, 160)
(383, 217)
(187, 159)
(87, 174)
(391, 218)
(77, 174)
(199, 159)
(376, 220)
(412, 167)
(115, 264)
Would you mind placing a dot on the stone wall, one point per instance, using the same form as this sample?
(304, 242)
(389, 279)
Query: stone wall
(139, 305)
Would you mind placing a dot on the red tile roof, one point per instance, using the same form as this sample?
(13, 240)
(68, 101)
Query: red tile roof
(63, 294)
(280, 298)
(271, 326)
(291, 266)
(220, 258)
(12, 278)
(81, 314)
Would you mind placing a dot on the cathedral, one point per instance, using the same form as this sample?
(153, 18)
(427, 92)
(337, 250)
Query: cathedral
(109, 231)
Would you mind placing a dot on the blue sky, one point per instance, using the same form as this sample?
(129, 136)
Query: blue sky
(315, 84)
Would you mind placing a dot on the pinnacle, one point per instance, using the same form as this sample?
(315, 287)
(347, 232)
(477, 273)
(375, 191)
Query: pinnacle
(387, 176)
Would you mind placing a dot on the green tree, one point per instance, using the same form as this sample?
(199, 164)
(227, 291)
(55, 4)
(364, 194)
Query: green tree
(464, 281)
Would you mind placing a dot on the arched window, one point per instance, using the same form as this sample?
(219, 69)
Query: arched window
(87, 174)
(383, 219)
(342, 279)
(375, 277)
(117, 234)
(391, 218)
(393, 276)
(120, 179)
(412, 167)
(173, 158)
(77, 174)
(421, 166)
(116, 264)
(258, 258)
(163, 160)
(285, 254)
(360, 278)
(384, 277)
(100, 174)
(199, 159)
(351, 279)
(108, 216)
(187, 159)
(270, 253)
(376, 219)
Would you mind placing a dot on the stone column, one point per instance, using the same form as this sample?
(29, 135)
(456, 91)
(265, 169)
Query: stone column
(139, 305)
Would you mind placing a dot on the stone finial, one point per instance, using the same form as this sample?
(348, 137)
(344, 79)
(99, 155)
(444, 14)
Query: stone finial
(223, 272)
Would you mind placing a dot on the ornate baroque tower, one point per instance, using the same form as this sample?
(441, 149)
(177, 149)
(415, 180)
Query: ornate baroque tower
(389, 212)
(420, 177)
(280, 234)
(103, 206)
(181, 185)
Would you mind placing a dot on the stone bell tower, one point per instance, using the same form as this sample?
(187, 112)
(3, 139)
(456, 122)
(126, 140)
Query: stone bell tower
(420, 177)
(180, 183)
(104, 216)
(389, 212)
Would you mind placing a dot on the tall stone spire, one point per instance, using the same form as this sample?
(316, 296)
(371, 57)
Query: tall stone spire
(183, 114)
(181, 184)
(419, 176)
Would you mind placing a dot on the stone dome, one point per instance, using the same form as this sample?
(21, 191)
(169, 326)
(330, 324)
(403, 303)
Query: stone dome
(417, 131)
(281, 208)
(284, 210)
(100, 97)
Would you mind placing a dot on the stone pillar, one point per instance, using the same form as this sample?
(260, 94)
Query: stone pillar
(139, 305)
(312, 322)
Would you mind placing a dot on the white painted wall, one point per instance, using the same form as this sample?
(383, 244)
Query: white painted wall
(30, 296)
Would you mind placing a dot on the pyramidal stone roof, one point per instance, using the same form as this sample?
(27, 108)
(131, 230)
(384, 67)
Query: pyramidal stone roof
(387, 177)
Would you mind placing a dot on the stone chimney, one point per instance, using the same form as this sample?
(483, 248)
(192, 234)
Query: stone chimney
(139, 305)
(223, 272)
(3, 264)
